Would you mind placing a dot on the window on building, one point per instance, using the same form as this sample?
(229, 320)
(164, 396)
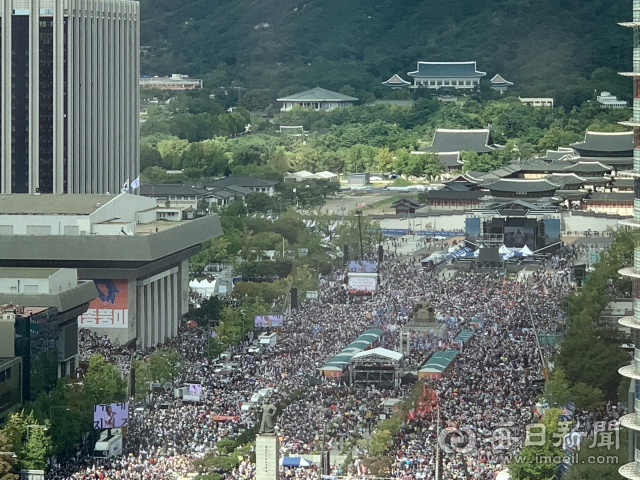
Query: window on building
(7, 374)
(439, 82)
(446, 82)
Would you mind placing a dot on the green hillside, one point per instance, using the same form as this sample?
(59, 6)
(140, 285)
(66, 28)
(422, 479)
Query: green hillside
(279, 46)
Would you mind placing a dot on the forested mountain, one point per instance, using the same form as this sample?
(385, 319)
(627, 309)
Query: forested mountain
(547, 47)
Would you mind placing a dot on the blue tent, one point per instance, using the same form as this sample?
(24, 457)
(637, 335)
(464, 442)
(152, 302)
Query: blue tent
(294, 462)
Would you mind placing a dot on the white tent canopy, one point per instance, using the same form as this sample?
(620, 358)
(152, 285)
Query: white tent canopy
(203, 287)
(380, 352)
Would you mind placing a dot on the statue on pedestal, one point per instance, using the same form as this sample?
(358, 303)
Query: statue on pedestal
(267, 425)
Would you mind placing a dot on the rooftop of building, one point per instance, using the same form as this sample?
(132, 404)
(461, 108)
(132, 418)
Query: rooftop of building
(450, 140)
(396, 80)
(50, 204)
(153, 190)
(606, 142)
(447, 69)
(588, 167)
(317, 94)
(239, 180)
(498, 80)
(14, 272)
(522, 185)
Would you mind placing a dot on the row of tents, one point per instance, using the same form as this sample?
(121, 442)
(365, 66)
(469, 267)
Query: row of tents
(505, 253)
(336, 365)
(438, 363)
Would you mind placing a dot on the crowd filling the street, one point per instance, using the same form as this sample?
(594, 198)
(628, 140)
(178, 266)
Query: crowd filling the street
(490, 384)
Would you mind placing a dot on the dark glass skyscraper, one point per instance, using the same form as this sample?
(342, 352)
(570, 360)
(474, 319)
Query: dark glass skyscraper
(68, 95)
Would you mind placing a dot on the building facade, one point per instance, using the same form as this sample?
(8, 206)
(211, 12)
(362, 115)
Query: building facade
(139, 266)
(69, 95)
(316, 99)
(632, 420)
(174, 82)
(446, 75)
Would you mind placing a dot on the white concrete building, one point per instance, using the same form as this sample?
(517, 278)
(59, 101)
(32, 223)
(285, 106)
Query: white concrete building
(69, 95)
(537, 102)
(610, 101)
(174, 82)
(316, 99)
(139, 265)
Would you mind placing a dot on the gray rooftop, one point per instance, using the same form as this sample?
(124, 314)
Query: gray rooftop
(167, 189)
(317, 95)
(522, 185)
(447, 69)
(446, 140)
(606, 142)
(11, 272)
(239, 180)
(49, 204)
(588, 167)
(54, 250)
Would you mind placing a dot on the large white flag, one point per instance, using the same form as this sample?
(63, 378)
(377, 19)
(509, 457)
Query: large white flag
(125, 187)
(135, 184)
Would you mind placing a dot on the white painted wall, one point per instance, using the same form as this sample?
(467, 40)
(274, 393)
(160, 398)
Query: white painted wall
(62, 280)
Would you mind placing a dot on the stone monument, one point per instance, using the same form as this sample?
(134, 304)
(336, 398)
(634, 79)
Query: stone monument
(268, 446)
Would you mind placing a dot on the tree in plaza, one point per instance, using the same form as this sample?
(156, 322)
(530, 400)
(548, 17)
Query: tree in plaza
(103, 382)
(586, 397)
(213, 251)
(556, 391)
(543, 441)
(165, 365)
(7, 462)
(209, 310)
(384, 160)
(348, 233)
(28, 439)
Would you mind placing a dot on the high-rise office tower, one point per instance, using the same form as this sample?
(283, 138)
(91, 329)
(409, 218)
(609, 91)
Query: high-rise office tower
(632, 420)
(69, 95)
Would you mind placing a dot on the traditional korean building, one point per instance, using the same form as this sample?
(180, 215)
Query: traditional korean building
(452, 161)
(610, 148)
(405, 206)
(522, 188)
(447, 75)
(500, 84)
(589, 169)
(452, 140)
(396, 82)
(316, 99)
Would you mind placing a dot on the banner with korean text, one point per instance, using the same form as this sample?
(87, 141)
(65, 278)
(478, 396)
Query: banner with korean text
(110, 309)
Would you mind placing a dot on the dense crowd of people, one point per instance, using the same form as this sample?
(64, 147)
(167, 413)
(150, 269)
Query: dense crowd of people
(488, 386)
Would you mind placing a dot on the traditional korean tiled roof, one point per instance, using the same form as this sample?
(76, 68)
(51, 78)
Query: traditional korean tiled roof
(618, 162)
(610, 197)
(318, 95)
(448, 140)
(522, 185)
(396, 81)
(405, 201)
(606, 142)
(149, 190)
(451, 159)
(497, 80)
(563, 179)
(588, 167)
(447, 69)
